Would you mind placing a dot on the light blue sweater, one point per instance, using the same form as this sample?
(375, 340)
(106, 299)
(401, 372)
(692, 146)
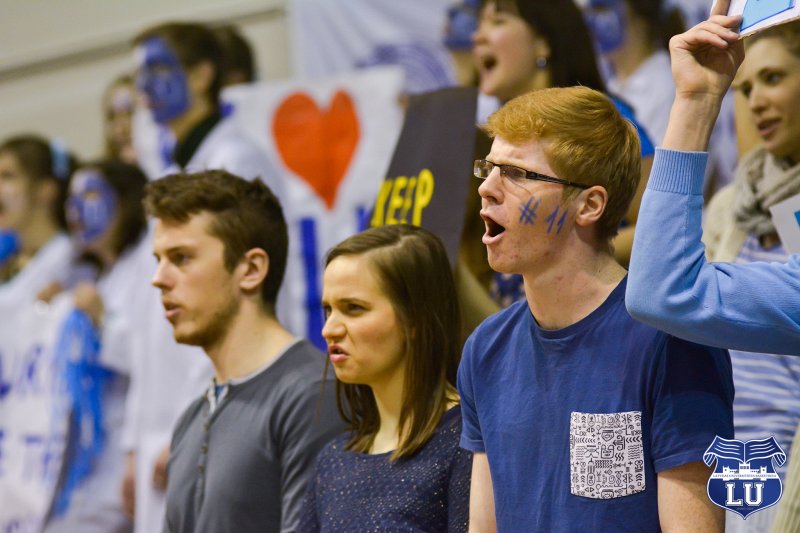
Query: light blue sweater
(671, 286)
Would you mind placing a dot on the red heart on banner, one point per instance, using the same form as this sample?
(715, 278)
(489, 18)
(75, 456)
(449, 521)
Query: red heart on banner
(317, 144)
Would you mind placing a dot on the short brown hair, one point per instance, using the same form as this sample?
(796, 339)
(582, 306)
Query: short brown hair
(413, 271)
(585, 140)
(246, 215)
(238, 65)
(192, 44)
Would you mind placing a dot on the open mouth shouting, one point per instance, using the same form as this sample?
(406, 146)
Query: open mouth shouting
(494, 230)
(486, 63)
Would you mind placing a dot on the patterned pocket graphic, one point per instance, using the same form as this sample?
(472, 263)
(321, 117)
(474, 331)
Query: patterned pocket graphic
(606, 455)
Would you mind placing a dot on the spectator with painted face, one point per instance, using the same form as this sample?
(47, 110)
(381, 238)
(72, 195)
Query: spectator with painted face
(180, 71)
(579, 417)
(462, 21)
(526, 46)
(108, 284)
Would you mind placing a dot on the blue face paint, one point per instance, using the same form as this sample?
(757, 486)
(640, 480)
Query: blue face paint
(551, 219)
(91, 206)
(528, 211)
(606, 20)
(9, 245)
(162, 79)
(462, 22)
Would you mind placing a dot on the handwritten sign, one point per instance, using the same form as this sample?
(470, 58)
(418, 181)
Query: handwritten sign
(402, 200)
(33, 422)
(429, 176)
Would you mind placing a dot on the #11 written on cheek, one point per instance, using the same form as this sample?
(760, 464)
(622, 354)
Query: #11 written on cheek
(528, 215)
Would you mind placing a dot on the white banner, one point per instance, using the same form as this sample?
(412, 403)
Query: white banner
(33, 422)
(332, 140)
(331, 37)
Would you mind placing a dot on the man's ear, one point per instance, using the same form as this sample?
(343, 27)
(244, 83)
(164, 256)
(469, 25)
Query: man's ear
(591, 205)
(254, 269)
(200, 77)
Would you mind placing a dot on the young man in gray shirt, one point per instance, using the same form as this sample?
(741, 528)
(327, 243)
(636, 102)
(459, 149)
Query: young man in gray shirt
(242, 453)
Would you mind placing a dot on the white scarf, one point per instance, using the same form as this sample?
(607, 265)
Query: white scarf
(761, 181)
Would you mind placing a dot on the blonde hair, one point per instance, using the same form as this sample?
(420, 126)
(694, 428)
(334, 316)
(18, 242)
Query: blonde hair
(789, 35)
(585, 140)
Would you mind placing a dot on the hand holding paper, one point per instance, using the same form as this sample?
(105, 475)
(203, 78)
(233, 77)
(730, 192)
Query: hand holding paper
(704, 61)
(705, 58)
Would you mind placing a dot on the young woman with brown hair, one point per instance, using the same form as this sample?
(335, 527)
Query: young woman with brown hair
(392, 327)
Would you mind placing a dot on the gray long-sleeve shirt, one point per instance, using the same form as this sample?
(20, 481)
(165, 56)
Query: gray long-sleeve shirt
(243, 464)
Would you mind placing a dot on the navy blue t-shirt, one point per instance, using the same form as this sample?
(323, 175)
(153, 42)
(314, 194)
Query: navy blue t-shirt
(576, 422)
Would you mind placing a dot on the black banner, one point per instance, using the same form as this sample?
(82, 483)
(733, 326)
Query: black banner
(429, 177)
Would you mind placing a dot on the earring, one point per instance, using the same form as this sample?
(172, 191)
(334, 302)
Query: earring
(541, 62)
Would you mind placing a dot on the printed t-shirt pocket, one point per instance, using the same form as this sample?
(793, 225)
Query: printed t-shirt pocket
(606, 455)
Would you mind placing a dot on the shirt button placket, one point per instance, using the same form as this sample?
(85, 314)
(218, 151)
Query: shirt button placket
(201, 465)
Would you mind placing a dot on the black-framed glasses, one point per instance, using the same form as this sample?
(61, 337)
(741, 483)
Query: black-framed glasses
(482, 168)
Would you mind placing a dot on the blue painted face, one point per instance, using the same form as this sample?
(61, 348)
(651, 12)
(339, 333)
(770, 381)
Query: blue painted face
(606, 21)
(91, 206)
(462, 22)
(160, 76)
